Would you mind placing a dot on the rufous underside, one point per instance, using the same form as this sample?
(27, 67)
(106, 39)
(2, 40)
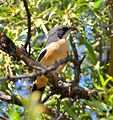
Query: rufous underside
(55, 52)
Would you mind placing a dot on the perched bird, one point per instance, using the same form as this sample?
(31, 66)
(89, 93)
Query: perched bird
(57, 48)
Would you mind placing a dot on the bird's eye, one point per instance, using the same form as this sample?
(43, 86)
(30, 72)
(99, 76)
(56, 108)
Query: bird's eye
(62, 32)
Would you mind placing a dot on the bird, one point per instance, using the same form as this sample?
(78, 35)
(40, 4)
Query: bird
(56, 49)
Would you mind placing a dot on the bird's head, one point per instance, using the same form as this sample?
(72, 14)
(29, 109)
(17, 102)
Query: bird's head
(59, 32)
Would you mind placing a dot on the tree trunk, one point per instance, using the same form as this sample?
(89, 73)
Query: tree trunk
(110, 69)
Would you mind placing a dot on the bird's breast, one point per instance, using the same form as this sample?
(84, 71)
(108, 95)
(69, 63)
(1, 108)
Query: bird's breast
(55, 51)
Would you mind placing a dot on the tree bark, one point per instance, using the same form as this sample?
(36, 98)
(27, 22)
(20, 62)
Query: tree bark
(110, 69)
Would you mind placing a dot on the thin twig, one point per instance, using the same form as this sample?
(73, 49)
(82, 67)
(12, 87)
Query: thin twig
(3, 117)
(29, 26)
(58, 110)
(3, 96)
(41, 72)
(12, 78)
(61, 115)
(10, 99)
(76, 64)
(81, 61)
(56, 65)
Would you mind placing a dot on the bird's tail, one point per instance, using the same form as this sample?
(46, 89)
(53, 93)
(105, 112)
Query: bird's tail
(35, 104)
(38, 87)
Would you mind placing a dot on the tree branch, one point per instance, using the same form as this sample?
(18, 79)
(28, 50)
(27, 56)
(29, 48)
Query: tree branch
(110, 69)
(76, 64)
(28, 25)
(9, 47)
(10, 99)
(58, 86)
(12, 78)
(66, 91)
(3, 117)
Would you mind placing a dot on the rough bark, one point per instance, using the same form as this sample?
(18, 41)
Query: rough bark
(110, 69)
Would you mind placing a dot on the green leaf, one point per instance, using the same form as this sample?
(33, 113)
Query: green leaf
(91, 52)
(102, 80)
(97, 3)
(100, 105)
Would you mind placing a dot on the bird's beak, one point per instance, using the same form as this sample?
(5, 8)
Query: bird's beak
(73, 28)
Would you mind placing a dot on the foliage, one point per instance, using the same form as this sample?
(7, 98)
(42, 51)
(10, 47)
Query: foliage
(92, 19)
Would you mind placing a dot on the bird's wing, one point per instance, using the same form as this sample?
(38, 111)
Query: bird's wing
(42, 53)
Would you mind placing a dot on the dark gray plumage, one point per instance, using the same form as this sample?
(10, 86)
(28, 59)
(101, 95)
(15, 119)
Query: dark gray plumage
(58, 32)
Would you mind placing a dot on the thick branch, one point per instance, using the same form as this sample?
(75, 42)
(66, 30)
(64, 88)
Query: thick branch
(9, 47)
(72, 92)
